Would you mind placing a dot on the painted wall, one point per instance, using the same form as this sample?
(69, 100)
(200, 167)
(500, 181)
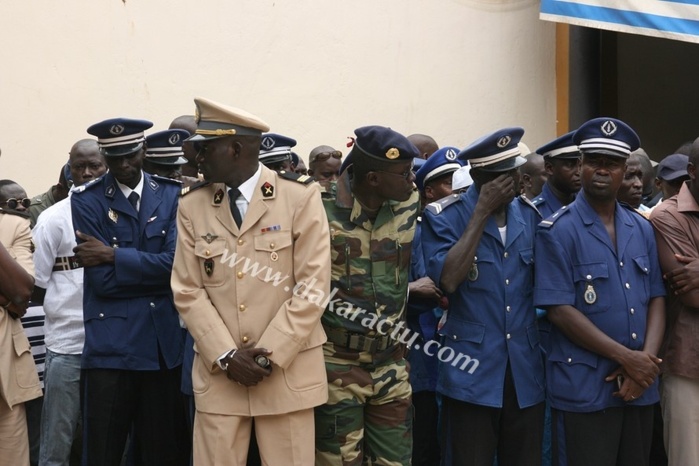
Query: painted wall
(454, 69)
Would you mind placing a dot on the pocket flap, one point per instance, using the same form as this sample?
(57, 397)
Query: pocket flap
(273, 241)
(461, 330)
(643, 264)
(21, 343)
(207, 250)
(156, 229)
(589, 272)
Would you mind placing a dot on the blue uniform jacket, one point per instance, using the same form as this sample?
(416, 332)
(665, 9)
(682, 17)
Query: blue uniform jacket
(422, 320)
(574, 256)
(128, 308)
(547, 202)
(491, 318)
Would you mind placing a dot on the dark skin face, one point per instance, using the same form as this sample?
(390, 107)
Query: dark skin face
(601, 176)
(326, 171)
(13, 191)
(438, 188)
(563, 176)
(127, 169)
(481, 177)
(230, 160)
(301, 168)
(394, 182)
(284, 165)
(631, 190)
(533, 176)
(187, 123)
(168, 171)
(86, 163)
(670, 188)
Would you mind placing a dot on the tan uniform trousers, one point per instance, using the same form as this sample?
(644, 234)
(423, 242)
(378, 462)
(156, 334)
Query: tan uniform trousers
(284, 439)
(679, 398)
(14, 439)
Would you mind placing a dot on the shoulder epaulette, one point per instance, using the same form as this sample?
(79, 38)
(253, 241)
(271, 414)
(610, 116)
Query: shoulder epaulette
(292, 176)
(88, 185)
(524, 200)
(546, 223)
(188, 189)
(15, 212)
(165, 179)
(538, 200)
(438, 206)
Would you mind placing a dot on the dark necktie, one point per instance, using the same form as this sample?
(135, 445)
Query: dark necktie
(133, 199)
(234, 194)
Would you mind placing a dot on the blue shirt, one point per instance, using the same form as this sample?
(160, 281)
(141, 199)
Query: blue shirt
(130, 318)
(491, 317)
(577, 265)
(547, 202)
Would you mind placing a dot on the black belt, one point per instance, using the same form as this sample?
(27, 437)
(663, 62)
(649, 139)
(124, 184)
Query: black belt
(66, 263)
(359, 341)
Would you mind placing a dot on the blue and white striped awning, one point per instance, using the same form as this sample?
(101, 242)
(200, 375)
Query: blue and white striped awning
(671, 19)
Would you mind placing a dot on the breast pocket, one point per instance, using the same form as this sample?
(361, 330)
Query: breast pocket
(155, 234)
(120, 237)
(273, 253)
(483, 271)
(526, 257)
(641, 271)
(211, 261)
(592, 287)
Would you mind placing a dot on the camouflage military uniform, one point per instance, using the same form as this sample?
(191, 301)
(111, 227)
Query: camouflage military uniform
(39, 204)
(368, 417)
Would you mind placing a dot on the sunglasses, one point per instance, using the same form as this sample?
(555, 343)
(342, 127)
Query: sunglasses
(336, 154)
(12, 203)
(405, 175)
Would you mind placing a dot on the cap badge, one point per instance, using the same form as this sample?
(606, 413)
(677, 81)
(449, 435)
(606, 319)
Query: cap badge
(608, 128)
(392, 153)
(267, 189)
(450, 155)
(504, 141)
(116, 129)
(218, 197)
(267, 143)
(174, 139)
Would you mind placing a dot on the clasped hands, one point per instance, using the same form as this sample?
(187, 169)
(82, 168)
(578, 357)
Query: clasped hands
(241, 366)
(639, 370)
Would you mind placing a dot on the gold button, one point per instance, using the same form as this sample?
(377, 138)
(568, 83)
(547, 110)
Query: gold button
(207, 253)
(271, 245)
(240, 274)
(241, 307)
(240, 242)
(245, 339)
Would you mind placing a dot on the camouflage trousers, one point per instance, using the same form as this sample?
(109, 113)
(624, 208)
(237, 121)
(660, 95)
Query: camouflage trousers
(368, 417)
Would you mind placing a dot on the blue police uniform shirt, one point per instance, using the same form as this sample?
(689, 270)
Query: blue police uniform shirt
(547, 202)
(573, 253)
(422, 320)
(491, 318)
(130, 318)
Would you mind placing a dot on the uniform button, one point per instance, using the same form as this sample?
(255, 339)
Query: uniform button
(240, 274)
(271, 245)
(241, 307)
(621, 264)
(589, 277)
(101, 315)
(633, 335)
(240, 242)
(508, 336)
(162, 232)
(453, 337)
(628, 287)
(508, 309)
(152, 304)
(507, 281)
(506, 255)
(632, 311)
(570, 360)
(645, 269)
(207, 253)
(245, 339)
(114, 238)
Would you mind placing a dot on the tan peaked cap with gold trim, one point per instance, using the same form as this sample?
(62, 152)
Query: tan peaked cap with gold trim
(216, 120)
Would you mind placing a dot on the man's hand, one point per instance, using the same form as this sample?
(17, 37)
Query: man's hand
(243, 369)
(424, 288)
(685, 278)
(497, 193)
(92, 251)
(630, 390)
(642, 367)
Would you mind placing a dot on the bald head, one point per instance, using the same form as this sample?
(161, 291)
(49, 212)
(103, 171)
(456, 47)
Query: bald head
(86, 161)
(533, 175)
(185, 122)
(425, 144)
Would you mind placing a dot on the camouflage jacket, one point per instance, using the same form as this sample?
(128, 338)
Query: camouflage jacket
(370, 262)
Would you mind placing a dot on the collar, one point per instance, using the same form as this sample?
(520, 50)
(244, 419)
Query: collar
(138, 189)
(589, 215)
(685, 200)
(247, 188)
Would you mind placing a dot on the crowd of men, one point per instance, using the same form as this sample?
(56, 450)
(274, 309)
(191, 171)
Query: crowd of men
(210, 300)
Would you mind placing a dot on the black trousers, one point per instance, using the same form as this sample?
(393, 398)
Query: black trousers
(472, 434)
(611, 437)
(425, 429)
(147, 405)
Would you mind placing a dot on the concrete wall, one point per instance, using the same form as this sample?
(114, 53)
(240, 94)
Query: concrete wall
(314, 70)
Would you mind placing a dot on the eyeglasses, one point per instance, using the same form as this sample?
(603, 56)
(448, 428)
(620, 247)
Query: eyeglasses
(407, 174)
(12, 203)
(336, 154)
